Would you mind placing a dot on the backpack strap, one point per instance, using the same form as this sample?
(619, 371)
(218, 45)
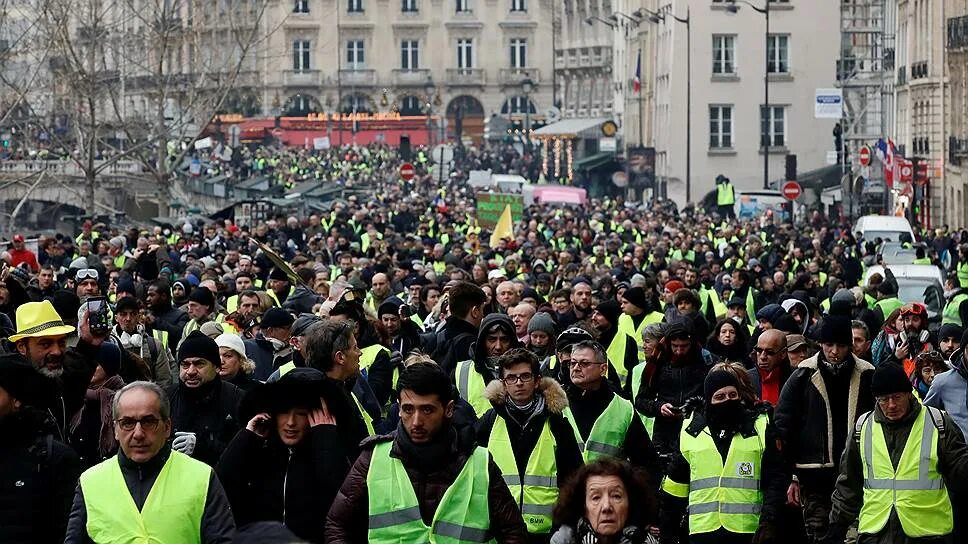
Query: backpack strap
(937, 417)
(859, 425)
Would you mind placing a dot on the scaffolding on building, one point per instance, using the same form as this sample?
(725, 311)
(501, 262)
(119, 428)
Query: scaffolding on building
(866, 75)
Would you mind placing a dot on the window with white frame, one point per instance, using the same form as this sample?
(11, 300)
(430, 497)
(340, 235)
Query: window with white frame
(519, 5)
(409, 54)
(773, 126)
(301, 52)
(778, 51)
(301, 6)
(720, 127)
(409, 6)
(519, 53)
(355, 55)
(354, 6)
(465, 54)
(724, 54)
(464, 6)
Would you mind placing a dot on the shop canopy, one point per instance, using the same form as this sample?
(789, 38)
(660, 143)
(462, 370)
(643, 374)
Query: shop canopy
(569, 128)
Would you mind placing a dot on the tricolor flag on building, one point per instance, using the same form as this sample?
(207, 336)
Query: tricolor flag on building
(637, 82)
(884, 149)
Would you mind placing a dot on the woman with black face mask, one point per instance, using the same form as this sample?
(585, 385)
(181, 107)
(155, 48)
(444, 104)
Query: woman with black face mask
(728, 470)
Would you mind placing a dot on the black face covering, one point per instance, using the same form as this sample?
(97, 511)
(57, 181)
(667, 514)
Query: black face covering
(725, 414)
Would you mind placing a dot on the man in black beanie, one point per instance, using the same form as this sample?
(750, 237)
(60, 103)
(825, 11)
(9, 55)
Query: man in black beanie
(815, 416)
(203, 407)
(622, 350)
(201, 310)
(270, 349)
(949, 341)
(279, 286)
(898, 490)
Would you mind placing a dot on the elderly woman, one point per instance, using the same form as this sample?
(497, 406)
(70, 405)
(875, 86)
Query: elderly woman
(606, 502)
(236, 367)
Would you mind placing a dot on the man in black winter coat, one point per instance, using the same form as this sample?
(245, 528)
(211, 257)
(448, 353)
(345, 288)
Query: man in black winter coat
(203, 407)
(39, 472)
(453, 343)
(162, 315)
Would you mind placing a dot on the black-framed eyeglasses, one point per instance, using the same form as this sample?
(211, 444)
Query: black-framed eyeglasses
(581, 364)
(516, 378)
(148, 423)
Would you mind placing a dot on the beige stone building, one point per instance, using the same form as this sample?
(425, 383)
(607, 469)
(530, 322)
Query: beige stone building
(953, 206)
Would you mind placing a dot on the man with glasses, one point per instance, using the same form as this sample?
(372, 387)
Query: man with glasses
(772, 366)
(170, 496)
(903, 467)
(604, 423)
(528, 437)
(818, 407)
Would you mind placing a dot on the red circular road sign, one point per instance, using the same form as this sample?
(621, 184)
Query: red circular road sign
(791, 190)
(864, 155)
(407, 171)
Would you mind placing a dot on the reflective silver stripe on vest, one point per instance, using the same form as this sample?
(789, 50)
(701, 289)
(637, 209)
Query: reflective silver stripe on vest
(723, 508)
(924, 482)
(469, 534)
(463, 380)
(730, 483)
(536, 509)
(603, 448)
(397, 517)
(539, 481)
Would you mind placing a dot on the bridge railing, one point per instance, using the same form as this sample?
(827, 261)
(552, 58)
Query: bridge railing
(66, 167)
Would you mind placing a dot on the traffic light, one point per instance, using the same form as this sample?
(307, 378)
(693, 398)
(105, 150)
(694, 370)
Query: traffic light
(791, 168)
(839, 142)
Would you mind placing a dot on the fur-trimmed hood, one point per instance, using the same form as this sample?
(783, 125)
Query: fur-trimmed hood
(555, 398)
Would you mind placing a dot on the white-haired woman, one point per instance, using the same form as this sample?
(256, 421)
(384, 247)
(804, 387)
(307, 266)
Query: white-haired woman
(236, 367)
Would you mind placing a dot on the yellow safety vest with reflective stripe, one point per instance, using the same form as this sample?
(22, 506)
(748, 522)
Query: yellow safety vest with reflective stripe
(275, 299)
(607, 437)
(161, 337)
(535, 491)
(470, 385)
(721, 494)
(725, 195)
(915, 490)
(463, 514)
(171, 513)
(637, 372)
(963, 274)
(616, 355)
(626, 324)
(952, 310)
(887, 306)
(710, 296)
(368, 355)
(367, 419)
(232, 304)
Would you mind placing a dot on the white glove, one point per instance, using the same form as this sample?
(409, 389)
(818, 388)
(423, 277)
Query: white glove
(184, 442)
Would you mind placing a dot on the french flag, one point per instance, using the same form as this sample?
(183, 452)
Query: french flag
(885, 153)
(637, 82)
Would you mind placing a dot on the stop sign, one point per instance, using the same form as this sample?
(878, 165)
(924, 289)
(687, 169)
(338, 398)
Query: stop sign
(407, 171)
(864, 155)
(791, 190)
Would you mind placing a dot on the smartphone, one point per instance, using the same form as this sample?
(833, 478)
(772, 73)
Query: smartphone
(98, 316)
(405, 311)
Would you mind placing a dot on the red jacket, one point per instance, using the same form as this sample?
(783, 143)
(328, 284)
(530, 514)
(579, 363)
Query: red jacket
(18, 256)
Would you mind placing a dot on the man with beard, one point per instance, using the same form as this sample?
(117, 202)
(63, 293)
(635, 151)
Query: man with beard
(270, 349)
(496, 336)
(913, 339)
(949, 341)
(203, 406)
(950, 389)
(815, 416)
(404, 334)
(581, 298)
(621, 349)
(162, 315)
(42, 339)
(134, 338)
(541, 335)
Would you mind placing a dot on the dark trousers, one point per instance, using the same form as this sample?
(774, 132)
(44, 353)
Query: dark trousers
(816, 489)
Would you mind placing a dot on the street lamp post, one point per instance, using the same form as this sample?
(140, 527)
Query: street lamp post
(527, 86)
(766, 113)
(429, 88)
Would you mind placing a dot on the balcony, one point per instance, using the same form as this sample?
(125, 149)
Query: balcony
(957, 150)
(919, 70)
(412, 78)
(465, 77)
(958, 32)
(301, 78)
(514, 76)
(357, 78)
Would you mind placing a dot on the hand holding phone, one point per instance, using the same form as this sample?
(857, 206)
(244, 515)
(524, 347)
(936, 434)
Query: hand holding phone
(98, 318)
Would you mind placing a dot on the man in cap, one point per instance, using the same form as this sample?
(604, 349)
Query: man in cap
(949, 341)
(913, 337)
(280, 286)
(621, 348)
(404, 334)
(816, 413)
(39, 471)
(903, 465)
(41, 338)
(541, 335)
(203, 406)
(149, 491)
(637, 314)
(949, 390)
(271, 347)
(472, 375)
(297, 336)
(136, 340)
(19, 254)
(736, 310)
(201, 310)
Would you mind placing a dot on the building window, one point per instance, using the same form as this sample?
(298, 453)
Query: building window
(773, 126)
(355, 55)
(300, 55)
(519, 53)
(354, 6)
(518, 104)
(778, 49)
(465, 54)
(301, 6)
(720, 127)
(409, 6)
(724, 54)
(519, 5)
(411, 105)
(409, 55)
(464, 6)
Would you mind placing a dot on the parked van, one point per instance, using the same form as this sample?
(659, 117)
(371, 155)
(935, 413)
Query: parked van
(885, 227)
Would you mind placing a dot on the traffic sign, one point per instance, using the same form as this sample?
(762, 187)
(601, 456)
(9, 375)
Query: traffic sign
(791, 190)
(442, 154)
(906, 169)
(864, 155)
(407, 171)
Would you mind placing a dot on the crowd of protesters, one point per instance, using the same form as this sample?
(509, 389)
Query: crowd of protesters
(385, 373)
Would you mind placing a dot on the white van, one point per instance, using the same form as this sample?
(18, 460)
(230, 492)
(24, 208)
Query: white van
(885, 227)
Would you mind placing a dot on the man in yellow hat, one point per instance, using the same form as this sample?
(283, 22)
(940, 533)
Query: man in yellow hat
(42, 339)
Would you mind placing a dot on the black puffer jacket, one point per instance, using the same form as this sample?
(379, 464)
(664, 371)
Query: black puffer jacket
(211, 412)
(268, 481)
(37, 480)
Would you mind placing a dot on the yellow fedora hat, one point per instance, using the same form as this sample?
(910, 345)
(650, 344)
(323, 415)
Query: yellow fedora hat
(36, 319)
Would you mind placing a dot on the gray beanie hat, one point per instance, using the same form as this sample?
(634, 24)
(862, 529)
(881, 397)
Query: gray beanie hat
(542, 321)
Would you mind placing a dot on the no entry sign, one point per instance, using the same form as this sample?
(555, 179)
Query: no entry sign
(407, 171)
(864, 155)
(791, 190)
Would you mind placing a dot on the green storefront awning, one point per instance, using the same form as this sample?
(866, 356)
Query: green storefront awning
(592, 162)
